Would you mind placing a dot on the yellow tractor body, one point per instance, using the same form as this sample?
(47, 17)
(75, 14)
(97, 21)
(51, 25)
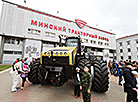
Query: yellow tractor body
(59, 56)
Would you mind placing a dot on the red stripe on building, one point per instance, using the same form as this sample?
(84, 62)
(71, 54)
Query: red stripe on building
(126, 36)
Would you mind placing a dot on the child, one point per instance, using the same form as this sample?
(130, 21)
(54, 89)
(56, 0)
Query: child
(77, 83)
(86, 83)
(24, 74)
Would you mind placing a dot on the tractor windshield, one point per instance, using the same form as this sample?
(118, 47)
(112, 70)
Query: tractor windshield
(72, 42)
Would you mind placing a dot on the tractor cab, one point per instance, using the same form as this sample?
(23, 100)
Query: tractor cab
(74, 42)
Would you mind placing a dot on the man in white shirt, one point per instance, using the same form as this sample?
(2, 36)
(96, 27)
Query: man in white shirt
(15, 77)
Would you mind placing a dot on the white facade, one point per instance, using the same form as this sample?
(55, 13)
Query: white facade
(38, 31)
(127, 47)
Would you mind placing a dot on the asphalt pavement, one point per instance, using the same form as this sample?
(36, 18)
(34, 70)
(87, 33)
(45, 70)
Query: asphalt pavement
(49, 93)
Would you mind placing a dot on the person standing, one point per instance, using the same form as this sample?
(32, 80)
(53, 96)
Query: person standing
(110, 66)
(136, 76)
(15, 77)
(130, 83)
(115, 68)
(77, 83)
(86, 83)
(120, 71)
(24, 74)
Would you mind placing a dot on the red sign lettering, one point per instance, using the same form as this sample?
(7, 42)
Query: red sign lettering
(33, 23)
(41, 24)
(63, 29)
(55, 27)
(45, 25)
(51, 26)
(59, 28)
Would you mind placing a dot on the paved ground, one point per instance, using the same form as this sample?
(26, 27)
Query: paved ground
(39, 93)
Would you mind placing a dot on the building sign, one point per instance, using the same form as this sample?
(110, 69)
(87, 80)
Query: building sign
(67, 30)
(80, 23)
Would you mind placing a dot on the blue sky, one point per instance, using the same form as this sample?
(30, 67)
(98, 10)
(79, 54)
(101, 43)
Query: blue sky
(116, 16)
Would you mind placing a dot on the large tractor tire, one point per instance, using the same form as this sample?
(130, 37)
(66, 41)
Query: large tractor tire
(62, 78)
(83, 62)
(33, 74)
(101, 78)
(42, 74)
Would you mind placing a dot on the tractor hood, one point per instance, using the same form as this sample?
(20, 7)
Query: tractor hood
(59, 55)
(59, 51)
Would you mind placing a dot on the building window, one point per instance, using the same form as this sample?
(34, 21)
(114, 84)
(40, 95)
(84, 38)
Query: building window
(128, 42)
(13, 52)
(48, 44)
(7, 40)
(106, 44)
(122, 57)
(17, 52)
(33, 31)
(16, 41)
(12, 41)
(137, 48)
(50, 34)
(120, 43)
(121, 50)
(8, 52)
(100, 43)
(85, 40)
(129, 57)
(93, 41)
(99, 50)
(129, 50)
(111, 51)
(137, 41)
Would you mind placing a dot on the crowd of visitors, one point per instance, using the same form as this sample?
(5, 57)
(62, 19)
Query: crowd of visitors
(129, 70)
(123, 69)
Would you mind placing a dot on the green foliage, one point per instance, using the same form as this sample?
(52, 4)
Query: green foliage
(4, 67)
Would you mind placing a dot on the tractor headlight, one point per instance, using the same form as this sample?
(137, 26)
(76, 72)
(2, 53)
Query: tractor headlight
(61, 53)
(45, 53)
(48, 53)
(65, 53)
(56, 53)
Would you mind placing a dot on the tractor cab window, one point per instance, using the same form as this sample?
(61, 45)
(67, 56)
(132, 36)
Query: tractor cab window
(72, 42)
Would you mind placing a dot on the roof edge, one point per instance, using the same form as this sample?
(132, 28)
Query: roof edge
(126, 36)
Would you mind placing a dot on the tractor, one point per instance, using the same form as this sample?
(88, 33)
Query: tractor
(56, 65)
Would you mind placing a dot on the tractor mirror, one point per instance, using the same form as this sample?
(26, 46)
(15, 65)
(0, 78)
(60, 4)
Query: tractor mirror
(82, 40)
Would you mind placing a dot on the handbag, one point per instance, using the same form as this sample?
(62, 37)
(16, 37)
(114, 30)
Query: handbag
(23, 75)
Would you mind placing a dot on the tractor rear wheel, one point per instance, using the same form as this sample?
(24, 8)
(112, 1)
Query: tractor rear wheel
(101, 78)
(33, 74)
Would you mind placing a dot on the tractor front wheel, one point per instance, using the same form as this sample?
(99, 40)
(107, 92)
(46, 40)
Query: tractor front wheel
(33, 74)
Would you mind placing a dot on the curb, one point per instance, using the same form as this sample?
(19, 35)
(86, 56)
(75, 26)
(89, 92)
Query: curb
(5, 71)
